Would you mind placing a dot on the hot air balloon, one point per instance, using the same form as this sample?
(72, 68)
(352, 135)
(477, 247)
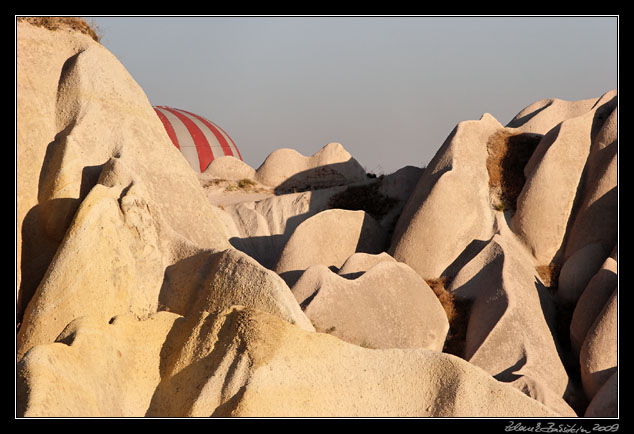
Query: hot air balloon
(199, 139)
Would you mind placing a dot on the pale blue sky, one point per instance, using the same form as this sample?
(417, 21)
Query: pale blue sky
(389, 88)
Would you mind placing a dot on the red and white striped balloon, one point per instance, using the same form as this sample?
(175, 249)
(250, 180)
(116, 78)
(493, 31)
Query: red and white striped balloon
(199, 140)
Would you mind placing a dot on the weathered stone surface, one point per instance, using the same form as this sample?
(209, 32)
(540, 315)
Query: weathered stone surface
(288, 170)
(577, 271)
(114, 219)
(594, 230)
(599, 352)
(398, 186)
(450, 205)
(250, 364)
(228, 167)
(359, 263)
(605, 402)
(541, 393)
(262, 228)
(546, 204)
(596, 220)
(401, 183)
(591, 302)
(113, 226)
(544, 115)
(329, 238)
(509, 332)
(236, 279)
(388, 306)
(106, 265)
(40, 56)
(96, 368)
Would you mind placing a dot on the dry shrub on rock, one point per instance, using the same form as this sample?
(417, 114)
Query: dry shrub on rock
(70, 23)
(508, 154)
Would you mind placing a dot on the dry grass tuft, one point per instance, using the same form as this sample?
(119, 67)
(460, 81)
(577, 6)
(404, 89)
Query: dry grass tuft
(457, 313)
(214, 182)
(508, 154)
(549, 275)
(64, 23)
(246, 183)
(445, 297)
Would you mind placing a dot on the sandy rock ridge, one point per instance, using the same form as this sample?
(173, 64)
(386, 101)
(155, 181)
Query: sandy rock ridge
(144, 289)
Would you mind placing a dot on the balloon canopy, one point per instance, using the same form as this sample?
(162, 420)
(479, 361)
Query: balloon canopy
(198, 139)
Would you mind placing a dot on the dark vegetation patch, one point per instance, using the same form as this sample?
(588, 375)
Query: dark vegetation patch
(366, 198)
(508, 155)
(457, 311)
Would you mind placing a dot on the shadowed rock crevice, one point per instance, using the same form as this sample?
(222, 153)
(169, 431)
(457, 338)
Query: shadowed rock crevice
(262, 227)
(366, 197)
(317, 178)
(458, 311)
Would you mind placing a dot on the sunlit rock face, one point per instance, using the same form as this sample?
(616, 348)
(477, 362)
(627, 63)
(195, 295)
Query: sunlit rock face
(484, 285)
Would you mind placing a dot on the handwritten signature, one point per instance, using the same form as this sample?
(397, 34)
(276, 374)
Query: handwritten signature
(551, 427)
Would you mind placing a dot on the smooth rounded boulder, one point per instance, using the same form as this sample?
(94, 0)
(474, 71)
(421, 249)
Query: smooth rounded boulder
(228, 167)
(329, 238)
(388, 306)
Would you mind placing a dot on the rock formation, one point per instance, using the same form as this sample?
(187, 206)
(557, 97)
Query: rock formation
(450, 202)
(287, 170)
(247, 363)
(112, 220)
(95, 368)
(591, 302)
(329, 238)
(485, 285)
(605, 402)
(547, 203)
(509, 333)
(262, 228)
(228, 167)
(388, 306)
(599, 352)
